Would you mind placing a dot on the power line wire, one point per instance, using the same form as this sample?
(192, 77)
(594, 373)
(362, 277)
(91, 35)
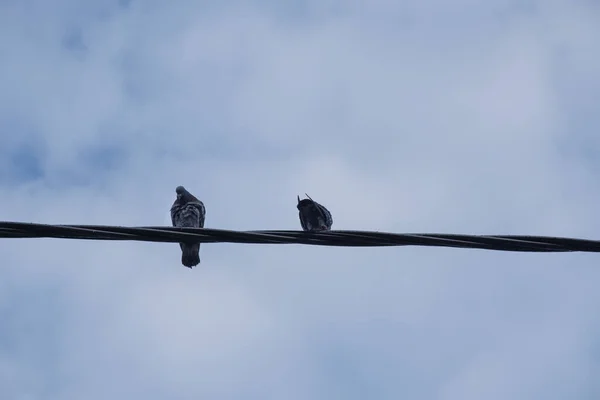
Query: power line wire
(521, 243)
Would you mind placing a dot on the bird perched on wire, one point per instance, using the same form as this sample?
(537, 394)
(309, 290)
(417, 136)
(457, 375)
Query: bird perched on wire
(313, 216)
(189, 212)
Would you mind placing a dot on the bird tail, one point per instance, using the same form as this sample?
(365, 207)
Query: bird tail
(190, 254)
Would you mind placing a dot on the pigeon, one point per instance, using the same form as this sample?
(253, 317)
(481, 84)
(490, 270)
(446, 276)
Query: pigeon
(189, 212)
(313, 216)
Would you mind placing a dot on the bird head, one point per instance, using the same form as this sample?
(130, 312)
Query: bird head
(305, 203)
(180, 190)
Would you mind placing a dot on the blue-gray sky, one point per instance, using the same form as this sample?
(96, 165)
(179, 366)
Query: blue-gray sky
(413, 116)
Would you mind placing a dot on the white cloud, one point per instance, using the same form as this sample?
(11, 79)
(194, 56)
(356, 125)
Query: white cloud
(454, 119)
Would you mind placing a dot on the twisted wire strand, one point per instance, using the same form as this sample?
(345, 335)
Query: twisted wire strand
(521, 243)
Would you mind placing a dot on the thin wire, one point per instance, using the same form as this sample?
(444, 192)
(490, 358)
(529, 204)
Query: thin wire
(519, 243)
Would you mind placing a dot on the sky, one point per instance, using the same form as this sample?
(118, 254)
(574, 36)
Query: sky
(411, 117)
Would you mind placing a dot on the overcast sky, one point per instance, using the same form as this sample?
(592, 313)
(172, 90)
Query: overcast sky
(413, 116)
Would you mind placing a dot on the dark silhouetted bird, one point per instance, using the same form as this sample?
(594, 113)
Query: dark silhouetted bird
(189, 212)
(313, 216)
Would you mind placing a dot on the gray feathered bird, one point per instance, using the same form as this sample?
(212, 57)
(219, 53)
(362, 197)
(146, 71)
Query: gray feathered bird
(314, 217)
(187, 211)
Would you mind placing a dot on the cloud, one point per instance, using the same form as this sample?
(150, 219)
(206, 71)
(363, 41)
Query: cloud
(412, 117)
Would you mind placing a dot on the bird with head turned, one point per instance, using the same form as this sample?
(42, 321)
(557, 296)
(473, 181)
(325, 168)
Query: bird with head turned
(188, 212)
(314, 217)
